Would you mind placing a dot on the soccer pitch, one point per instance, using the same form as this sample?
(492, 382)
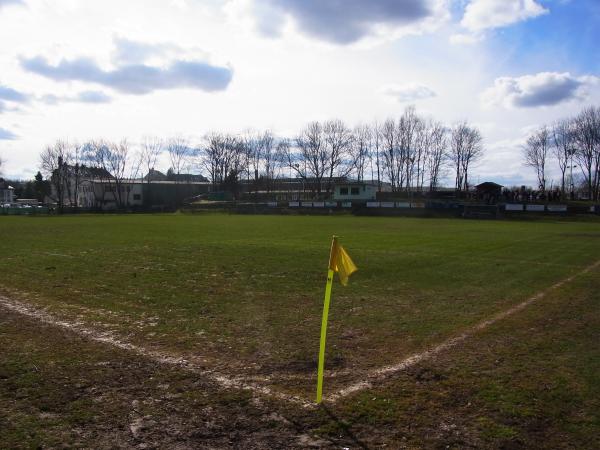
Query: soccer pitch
(243, 294)
(203, 330)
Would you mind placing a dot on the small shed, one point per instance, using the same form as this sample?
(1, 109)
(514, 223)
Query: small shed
(489, 192)
(355, 190)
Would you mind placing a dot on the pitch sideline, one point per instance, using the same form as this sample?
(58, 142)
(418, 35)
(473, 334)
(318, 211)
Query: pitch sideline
(108, 338)
(228, 382)
(382, 373)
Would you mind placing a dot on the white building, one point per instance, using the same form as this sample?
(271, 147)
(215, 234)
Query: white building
(107, 195)
(7, 193)
(355, 190)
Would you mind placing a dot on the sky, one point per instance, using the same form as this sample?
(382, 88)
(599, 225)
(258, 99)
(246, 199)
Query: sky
(79, 70)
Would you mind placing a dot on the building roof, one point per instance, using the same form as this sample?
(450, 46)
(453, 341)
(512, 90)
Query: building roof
(4, 185)
(144, 181)
(155, 175)
(356, 183)
(489, 185)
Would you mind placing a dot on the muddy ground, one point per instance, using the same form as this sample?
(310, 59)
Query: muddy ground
(530, 381)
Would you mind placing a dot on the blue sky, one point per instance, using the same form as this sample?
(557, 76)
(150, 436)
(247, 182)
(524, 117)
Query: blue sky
(566, 38)
(79, 70)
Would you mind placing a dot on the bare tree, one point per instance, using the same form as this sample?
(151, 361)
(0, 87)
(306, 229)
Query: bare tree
(403, 150)
(76, 173)
(117, 160)
(213, 157)
(361, 149)
(114, 165)
(435, 153)
(420, 154)
(466, 148)
(63, 165)
(223, 157)
(152, 147)
(390, 153)
(535, 153)
(338, 143)
(287, 157)
(260, 156)
(54, 163)
(269, 159)
(587, 140)
(322, 151)
(312, 158)
(408, 130)
(563, 147)
(179, 153)
(252, 142)
(377, 141)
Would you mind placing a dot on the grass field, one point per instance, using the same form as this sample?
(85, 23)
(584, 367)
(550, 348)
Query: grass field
(243, 295)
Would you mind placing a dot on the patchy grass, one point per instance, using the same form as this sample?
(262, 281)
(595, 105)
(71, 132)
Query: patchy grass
(244, 293)
(60, 391)
(529, 381)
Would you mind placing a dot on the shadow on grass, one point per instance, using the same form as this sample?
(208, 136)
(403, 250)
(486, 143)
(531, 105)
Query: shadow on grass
(347, 429)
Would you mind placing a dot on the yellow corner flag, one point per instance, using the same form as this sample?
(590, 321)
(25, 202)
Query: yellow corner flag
(340, 262)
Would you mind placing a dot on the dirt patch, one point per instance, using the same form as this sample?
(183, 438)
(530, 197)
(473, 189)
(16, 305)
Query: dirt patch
(77, 393)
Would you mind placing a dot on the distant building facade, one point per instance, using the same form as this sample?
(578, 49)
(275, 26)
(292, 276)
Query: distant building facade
(7, 193)
(136, 193)
(355, 190)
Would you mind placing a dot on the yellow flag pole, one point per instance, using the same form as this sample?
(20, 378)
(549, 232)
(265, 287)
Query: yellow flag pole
(326, 303)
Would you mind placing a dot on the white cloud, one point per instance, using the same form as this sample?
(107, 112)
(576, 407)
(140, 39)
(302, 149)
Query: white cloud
(486, 14)
(541, 89)
(408, 92)
(132, 74)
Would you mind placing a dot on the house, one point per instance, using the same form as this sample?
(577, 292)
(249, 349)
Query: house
(155, 175)
(107, 194)
(7, 193)
(73, 178)
(355, 190)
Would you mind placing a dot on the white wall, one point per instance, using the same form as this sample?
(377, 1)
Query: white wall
(365, 192)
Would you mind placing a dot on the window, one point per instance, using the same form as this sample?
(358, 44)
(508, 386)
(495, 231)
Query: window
(344, 191)
(137, 197)
(354, 191)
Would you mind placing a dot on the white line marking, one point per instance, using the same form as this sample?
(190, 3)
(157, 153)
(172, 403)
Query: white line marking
(108, 338)
(62, 255)
(384, 372)
(229, 382)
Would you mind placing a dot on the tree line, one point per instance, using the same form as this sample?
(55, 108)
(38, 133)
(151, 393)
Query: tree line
(570, 143)
(411, 153)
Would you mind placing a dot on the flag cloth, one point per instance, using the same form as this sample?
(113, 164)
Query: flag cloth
(340, 262)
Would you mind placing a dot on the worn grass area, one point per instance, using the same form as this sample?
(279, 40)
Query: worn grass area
(244, 293)
(529, 381)
(60, 391)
